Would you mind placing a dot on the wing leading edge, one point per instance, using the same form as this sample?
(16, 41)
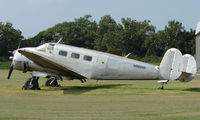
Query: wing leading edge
(47, 62)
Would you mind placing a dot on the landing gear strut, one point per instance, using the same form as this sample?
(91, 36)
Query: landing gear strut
(52, 82)
(31, 84)
(161, 88)
(162, 82)
(83, 80)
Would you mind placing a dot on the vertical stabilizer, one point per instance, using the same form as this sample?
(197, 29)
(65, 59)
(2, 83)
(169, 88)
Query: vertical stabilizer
(189, 68)
(171, 65)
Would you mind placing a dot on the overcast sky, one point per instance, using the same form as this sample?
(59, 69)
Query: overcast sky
(33, 16)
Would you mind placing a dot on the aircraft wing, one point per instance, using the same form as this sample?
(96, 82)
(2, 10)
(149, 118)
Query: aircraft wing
(45, 61)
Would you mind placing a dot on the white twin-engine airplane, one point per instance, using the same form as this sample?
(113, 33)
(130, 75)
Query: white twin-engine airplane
(56, 61)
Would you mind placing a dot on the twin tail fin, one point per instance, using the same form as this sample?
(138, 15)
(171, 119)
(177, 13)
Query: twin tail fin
(175, 66)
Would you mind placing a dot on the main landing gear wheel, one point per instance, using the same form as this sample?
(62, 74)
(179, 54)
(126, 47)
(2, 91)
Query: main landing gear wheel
(31, 84)
(52, 82)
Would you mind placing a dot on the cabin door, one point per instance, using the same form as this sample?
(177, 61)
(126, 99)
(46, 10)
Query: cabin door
(101, 63)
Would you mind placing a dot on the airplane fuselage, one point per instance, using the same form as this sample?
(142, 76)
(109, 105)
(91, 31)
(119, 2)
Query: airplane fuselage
(104, 65)
(91, 64)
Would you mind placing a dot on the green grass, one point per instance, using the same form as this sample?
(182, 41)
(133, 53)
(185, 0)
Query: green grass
(99, 100)
(5, 64)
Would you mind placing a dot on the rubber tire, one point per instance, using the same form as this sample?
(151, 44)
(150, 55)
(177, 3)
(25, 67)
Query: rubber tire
(33, 86)
(54, 84)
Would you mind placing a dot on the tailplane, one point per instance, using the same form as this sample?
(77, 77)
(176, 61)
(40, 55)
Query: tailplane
(175, 66)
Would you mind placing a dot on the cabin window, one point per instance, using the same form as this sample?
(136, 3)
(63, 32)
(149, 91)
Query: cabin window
(62, 53)
(87, 58)
(75, 55)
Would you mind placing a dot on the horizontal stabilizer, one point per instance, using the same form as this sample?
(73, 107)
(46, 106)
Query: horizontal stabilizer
(163, 81)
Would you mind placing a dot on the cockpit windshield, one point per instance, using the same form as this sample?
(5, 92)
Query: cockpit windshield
(51, 46)
(47, 46)
(42, 47)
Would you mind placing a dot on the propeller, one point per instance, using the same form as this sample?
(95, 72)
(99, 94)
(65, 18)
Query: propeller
(25, 68)
(12, 64)
(12, 57)
(10, 71)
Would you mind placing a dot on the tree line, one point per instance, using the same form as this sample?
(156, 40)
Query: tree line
(130, 36)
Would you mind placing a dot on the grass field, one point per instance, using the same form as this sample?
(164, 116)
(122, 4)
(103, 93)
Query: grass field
(98, 100)
(5, 64)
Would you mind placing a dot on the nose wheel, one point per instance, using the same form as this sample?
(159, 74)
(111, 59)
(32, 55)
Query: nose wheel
(31, 84)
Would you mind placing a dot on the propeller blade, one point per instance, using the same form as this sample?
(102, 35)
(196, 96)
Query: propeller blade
(10, 71)
(19, 45)
(25, 68)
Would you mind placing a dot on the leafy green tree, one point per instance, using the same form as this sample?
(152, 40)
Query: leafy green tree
(9, 38)
(173, 36)
(187, 42)
(156, 44)
(106, 25)
(130, 36)
(81, 33)
(135, 34)
(113, 42)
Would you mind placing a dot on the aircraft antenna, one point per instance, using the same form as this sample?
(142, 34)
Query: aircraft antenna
(19, 44)
(59, 41)
(127, 55)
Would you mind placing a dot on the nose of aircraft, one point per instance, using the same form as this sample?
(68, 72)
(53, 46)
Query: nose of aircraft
(19, 61)
(13, 60)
